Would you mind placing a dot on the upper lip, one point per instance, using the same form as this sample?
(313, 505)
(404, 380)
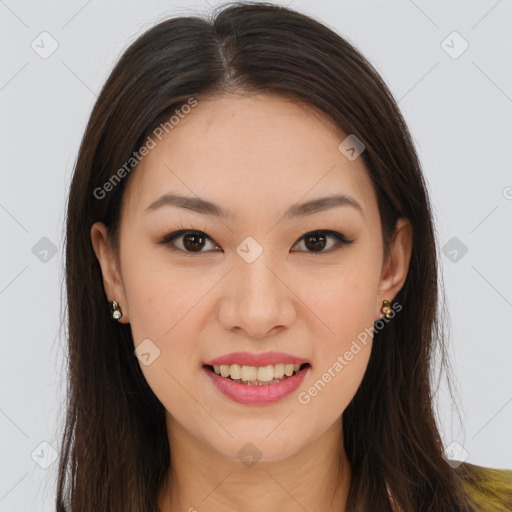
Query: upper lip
(264, 359)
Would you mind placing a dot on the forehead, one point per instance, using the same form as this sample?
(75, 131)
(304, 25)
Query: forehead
(246, 151)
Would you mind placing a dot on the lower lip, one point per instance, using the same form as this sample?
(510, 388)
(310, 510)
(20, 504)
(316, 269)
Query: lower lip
(265, 394)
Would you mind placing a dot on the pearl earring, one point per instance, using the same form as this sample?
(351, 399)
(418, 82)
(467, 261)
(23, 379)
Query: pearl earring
(116, 310)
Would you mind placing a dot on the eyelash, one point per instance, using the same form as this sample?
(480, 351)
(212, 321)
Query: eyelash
(341, 240)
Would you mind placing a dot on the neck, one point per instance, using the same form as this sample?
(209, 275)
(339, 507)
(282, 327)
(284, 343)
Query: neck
(316, 478)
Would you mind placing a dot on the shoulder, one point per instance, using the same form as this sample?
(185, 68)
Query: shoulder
(490, 489)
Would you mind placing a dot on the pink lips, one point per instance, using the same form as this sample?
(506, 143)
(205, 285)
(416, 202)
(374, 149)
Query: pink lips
(249, 394)
(264, 359)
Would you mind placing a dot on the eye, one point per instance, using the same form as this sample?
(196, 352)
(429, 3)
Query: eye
(192, 241)
(317, 241)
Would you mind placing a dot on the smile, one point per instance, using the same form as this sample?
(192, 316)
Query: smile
(254, 391)
(257, 375)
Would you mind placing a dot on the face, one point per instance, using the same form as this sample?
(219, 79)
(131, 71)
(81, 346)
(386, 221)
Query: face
(267, 276)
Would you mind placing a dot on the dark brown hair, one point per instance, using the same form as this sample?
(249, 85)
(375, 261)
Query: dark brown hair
(115, 452)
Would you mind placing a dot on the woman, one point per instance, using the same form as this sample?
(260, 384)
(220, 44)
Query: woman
(248, 203)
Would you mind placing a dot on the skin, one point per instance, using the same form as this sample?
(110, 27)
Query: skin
(256, 156)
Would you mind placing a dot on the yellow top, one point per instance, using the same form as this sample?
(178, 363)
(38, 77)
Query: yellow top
(490, 489)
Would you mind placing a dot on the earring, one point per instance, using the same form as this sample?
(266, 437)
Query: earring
(386, 308)
(116, 310)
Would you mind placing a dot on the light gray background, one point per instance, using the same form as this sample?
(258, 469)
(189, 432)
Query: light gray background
(458, 110)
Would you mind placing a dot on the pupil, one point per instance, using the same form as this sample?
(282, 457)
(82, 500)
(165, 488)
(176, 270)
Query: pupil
(316, 239)
(189, 244)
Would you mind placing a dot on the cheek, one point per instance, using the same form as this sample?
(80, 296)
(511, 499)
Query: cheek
(341, 352)
(340, 300)
(332, 388)
(343, 306)
(163, 310)
(159, 296)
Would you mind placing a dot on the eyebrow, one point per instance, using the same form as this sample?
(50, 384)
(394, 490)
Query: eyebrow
(297, 210)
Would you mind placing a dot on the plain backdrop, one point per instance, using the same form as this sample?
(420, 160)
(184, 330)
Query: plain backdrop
(449, 66)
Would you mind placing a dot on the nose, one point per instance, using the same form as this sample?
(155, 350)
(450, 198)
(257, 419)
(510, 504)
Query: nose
(257, 300)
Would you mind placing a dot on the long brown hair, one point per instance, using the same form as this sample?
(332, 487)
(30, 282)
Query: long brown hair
(115, 452)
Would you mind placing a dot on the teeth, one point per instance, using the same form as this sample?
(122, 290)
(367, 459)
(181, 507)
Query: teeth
(259, 375)
(235, 370)
(249, 373)
(279, 371)
(265, 373)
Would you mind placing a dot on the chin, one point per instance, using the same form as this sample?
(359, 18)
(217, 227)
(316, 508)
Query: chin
(258, 447)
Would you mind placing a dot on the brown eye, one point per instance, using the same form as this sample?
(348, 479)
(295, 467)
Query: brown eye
(191, 241)
(317, 241)
(321, 241)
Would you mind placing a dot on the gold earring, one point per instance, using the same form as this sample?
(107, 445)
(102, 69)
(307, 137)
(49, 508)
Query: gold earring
(386, 308)
(116, 310)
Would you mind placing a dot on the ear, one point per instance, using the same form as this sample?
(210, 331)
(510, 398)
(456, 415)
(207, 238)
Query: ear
(112, 281)
(395, 268)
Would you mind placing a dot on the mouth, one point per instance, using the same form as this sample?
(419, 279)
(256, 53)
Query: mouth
(257, 375)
